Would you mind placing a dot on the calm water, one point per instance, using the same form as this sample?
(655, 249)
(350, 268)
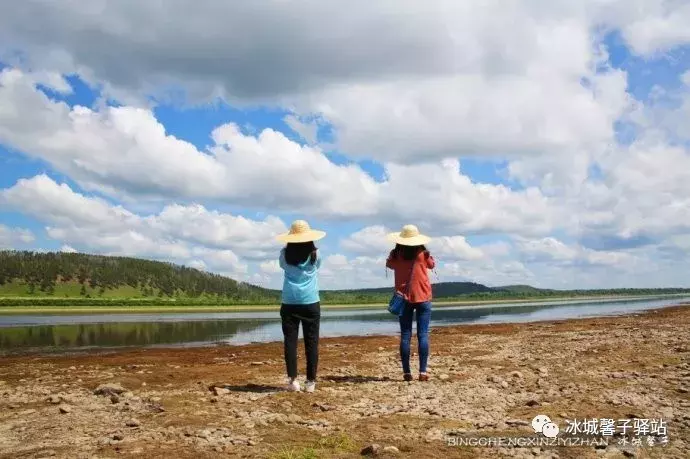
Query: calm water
(21, 333)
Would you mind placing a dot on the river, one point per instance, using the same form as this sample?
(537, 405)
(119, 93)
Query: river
(41, 333)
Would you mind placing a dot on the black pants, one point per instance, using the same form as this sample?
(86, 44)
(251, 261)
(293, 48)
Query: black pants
(310, 316)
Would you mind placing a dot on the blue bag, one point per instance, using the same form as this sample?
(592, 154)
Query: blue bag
(396, 306)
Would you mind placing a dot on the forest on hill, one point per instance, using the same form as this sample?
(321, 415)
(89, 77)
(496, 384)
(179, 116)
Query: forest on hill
(89, 276)
(61, 278)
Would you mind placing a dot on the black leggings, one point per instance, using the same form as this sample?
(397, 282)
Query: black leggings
(310, 316)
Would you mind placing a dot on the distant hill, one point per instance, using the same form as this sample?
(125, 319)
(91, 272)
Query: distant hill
(89, 276)
(519, 289)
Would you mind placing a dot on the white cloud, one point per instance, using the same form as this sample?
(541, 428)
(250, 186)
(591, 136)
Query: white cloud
(652, 27)
(644, 195)
(125, 151)
(370, 240)
(443, 79)
(340, 272)
(67, 249)
(555, 252)
(13, 237)
(454, 248)
(174, 233)
(441, 200)
(270, 267)
(492, 273)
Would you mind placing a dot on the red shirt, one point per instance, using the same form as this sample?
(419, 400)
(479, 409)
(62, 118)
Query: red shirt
(420, 290)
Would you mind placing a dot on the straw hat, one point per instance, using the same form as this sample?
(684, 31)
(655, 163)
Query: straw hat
(301, 232)
(409, 235)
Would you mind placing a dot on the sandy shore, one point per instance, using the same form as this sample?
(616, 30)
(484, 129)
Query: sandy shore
(487, 380)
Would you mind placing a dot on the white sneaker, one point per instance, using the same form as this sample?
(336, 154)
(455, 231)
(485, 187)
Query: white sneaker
(293, 386)
(310, 386)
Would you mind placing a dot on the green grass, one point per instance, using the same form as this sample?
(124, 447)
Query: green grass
(71, 289)
(296, 453)
(324, 447)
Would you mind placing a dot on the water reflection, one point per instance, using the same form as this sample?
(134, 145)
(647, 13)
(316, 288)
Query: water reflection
(22, 333)
(121, 334)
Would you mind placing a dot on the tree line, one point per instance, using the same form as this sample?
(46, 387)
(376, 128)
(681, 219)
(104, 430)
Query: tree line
(42, 272)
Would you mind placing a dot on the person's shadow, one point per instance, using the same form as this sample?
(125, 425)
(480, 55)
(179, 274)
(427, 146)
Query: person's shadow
(250, 387)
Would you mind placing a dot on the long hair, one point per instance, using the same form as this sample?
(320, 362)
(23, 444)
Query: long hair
(297, 253)
(407, 252)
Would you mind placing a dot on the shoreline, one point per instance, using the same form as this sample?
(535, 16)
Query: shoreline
(134, 308)
(487, 380)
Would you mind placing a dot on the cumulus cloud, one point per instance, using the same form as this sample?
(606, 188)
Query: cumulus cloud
(339, 271)
(555, 252)
(13, 237)
(440, 80)
(124, 151)
(209, 239)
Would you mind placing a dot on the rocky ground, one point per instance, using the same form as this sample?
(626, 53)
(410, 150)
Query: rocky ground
(488, 380)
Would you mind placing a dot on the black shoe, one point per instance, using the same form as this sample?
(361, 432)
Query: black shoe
(407, 377)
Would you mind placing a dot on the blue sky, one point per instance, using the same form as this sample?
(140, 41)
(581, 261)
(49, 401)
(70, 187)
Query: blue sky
(528, 160)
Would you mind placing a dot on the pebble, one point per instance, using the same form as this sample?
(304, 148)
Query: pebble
(516, 374)
(118, 437)
(321, 406)
(114, 399)
(504, 384)
(444, 377)
(55, 399)
(64, 409)
(517, 422)
(133, 423)
(371, 450)
(109, 389)
(532, 402)
(257, 363)
(391, 449)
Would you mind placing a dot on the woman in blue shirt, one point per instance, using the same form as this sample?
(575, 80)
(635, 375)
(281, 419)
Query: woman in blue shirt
(300, 261)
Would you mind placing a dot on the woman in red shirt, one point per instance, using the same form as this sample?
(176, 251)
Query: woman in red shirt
(410, 261)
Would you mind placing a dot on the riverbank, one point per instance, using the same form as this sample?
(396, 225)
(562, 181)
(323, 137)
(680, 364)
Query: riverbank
(487, 380)
(136, 307)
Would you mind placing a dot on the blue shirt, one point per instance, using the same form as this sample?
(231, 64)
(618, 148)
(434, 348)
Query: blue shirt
(301, 283)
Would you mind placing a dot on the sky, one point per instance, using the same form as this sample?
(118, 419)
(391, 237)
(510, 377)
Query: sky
(541, 143)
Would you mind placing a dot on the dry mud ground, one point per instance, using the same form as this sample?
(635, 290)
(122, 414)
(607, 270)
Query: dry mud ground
(487, 380)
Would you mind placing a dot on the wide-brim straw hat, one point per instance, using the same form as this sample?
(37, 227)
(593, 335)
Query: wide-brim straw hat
(300, 231)
(409, 235)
